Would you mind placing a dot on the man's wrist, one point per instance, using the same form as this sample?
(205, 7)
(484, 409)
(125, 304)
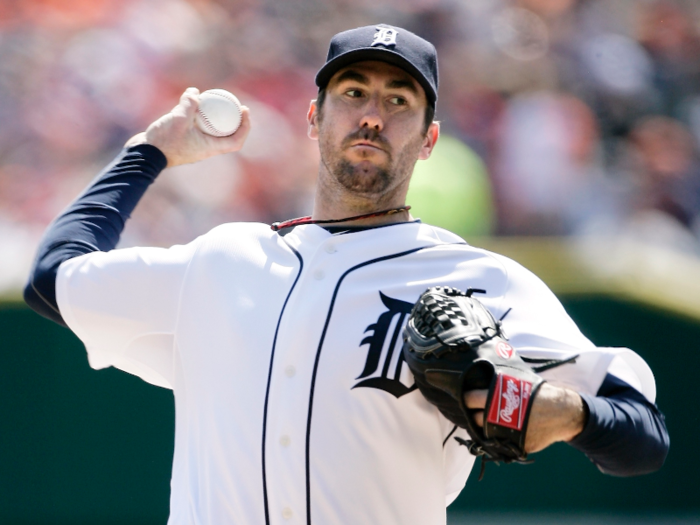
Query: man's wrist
(139, 138)
(577, 412)
(155, 159)
(557, 414)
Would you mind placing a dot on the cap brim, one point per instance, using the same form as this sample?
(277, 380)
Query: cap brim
(381, 54)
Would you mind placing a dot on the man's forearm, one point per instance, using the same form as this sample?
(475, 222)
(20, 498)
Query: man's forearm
(94, 222)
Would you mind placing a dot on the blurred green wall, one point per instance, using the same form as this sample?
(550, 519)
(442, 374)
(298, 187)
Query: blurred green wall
(83, 446)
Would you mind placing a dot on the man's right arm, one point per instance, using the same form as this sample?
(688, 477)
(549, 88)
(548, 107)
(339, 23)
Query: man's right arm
(95, 221)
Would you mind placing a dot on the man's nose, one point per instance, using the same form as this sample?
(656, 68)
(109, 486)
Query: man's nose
(372, 117)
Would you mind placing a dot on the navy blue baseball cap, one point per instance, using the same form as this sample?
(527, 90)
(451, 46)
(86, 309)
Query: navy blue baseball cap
(385, 43)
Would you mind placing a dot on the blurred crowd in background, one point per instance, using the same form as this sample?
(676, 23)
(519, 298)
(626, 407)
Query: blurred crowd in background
(559, 117)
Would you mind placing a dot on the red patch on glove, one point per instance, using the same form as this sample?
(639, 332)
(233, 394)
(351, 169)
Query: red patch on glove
(510, 401)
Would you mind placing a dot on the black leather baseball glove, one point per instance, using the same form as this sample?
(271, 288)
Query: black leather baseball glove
(453, 344)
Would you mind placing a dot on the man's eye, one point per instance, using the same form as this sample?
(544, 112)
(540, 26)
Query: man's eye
(353, 93)
(398, 101)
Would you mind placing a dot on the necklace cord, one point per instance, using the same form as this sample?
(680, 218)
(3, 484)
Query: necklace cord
(277, 226)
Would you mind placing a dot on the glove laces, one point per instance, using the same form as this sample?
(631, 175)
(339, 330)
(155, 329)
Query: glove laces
(477, 450)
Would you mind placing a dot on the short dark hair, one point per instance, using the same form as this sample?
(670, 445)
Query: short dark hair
(427, 119)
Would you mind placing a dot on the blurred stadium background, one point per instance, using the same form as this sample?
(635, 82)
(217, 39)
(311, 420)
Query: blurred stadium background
(571, 133)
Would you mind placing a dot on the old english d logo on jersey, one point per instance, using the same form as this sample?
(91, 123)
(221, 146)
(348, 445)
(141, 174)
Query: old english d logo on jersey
(385, 36)
(380, 353)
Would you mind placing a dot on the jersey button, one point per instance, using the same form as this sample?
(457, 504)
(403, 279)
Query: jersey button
(330, 248)
(319, 275)
(287, 513)
(285, 440)
(290, 371)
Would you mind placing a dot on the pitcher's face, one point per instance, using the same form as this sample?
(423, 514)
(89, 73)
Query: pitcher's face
(370, 127)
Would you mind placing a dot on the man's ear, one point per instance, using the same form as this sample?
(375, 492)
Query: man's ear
(431, 138)
(312, 120)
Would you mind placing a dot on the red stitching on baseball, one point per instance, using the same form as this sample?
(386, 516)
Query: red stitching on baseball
(209, 125)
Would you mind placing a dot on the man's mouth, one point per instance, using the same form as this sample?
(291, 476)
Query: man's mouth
(366, 144)
(367, 141)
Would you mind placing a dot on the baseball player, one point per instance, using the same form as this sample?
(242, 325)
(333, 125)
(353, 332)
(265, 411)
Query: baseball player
(282, 344)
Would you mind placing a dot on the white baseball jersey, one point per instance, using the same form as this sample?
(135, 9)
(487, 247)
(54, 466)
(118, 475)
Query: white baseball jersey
(293, 403)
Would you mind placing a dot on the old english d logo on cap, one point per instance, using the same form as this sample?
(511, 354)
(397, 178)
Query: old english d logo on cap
(385, 36)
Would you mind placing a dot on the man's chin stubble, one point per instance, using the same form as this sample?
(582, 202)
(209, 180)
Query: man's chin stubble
(373, 180)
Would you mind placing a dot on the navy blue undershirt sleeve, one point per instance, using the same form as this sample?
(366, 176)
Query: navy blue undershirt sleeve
(625, 434)
(94, 222)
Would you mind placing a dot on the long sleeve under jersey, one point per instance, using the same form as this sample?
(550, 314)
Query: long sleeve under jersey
(93, 222)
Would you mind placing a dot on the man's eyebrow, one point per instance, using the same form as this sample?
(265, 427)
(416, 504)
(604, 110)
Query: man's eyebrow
(356, 76)
(351, 74)
(406, 84)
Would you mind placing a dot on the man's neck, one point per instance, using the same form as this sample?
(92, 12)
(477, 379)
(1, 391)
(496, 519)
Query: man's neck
(385, 215)
(337, 204)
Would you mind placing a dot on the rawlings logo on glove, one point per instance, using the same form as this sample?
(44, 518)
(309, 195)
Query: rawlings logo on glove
(514, 398)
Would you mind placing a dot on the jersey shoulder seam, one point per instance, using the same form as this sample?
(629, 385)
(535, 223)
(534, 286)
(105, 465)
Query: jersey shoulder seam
(199, 241)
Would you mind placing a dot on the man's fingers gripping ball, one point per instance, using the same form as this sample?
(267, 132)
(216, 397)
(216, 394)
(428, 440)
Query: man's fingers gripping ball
(178, 136)
(187, 106)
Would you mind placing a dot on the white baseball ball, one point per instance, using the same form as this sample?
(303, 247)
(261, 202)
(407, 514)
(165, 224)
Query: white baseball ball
(219, 113)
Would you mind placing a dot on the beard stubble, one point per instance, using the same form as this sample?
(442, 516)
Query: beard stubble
(366, 177)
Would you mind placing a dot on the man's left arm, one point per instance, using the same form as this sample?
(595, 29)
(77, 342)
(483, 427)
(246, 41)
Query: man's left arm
(618, 429)
(583, 401)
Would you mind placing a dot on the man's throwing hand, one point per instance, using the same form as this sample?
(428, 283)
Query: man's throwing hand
(178, 137)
